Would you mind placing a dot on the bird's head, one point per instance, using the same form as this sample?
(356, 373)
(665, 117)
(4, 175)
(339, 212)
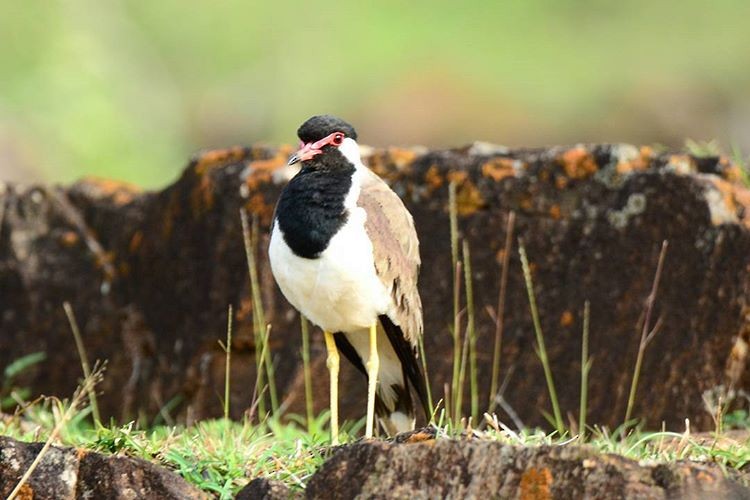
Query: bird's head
(326, 141)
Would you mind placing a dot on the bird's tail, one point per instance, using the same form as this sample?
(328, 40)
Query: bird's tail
(411, 369)
(399, 416)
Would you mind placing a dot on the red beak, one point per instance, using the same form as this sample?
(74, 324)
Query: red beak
(311, 149)
(306, 152)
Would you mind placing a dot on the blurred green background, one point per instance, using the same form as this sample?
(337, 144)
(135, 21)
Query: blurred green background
(129, 89)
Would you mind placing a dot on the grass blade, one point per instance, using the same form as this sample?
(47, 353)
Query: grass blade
(456, 270)
(500, 314)
(471, 333)
(228, 367)
(585, 367)
(309, 409)
(264, 364)
(645, 335)
(461, 380)
(541, 349)
(258, 316)
(426, 380)
(84, 360)
(267, 358)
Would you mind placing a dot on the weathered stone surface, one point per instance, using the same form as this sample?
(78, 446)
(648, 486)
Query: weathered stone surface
(69, 473)
(486, 469)
(266, 489)
(150, 276)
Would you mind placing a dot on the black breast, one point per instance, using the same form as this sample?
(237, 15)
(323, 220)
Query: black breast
(311, 210)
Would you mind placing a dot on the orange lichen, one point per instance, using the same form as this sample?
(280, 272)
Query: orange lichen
(457, 176)
(271, 164)
(733, 173)
(644, 159)
(120, 192)
(217, 157)
(468, 199)
(256, 178)
(578, 163)
(566, 319)
(202, 197)
(682, 164)
(625, 167)
(432, 178)
(536, 484)
(382, 161)
(641, 162)
(69, 238)
(727, 190)
(26, 492)
(279, 160)
(257, 205)
(561, 182)
(401, 157)
(498, 169)
(555, 212)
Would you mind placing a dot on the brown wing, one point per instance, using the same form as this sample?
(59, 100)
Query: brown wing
(396, 250)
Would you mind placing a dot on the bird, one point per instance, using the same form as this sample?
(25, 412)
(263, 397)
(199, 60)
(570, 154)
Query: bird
(344, 252)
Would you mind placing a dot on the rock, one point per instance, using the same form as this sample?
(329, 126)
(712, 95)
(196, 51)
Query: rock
(68, 473)
(487, 469)
(266, 489)
(150, 275)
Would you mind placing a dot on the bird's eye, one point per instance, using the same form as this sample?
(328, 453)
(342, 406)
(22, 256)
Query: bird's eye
(337, 139)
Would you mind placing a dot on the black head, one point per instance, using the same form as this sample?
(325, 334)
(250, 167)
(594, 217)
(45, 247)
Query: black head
(318, 127)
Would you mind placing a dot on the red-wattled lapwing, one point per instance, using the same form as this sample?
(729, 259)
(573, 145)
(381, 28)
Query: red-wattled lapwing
(345, 253)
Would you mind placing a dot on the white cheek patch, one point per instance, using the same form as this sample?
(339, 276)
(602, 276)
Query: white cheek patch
(350, 149)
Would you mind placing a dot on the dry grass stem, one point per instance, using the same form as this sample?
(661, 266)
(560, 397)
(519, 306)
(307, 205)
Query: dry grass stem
(646, 334)
(585, 368)
(87, 386)
(500, 312)
(84, 359)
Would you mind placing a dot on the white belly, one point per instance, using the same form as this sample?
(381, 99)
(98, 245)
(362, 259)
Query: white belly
(339, 291)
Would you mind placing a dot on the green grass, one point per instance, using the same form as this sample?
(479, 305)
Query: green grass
(10, 392)
(221, 456)
(218, 456)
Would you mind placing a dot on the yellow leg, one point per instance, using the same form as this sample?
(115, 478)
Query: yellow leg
(373, 364)
(333, 368)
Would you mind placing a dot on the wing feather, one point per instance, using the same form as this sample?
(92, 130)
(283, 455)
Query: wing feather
(396, 251)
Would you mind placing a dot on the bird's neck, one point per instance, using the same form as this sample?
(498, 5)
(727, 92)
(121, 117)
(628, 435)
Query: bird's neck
(312, 208)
